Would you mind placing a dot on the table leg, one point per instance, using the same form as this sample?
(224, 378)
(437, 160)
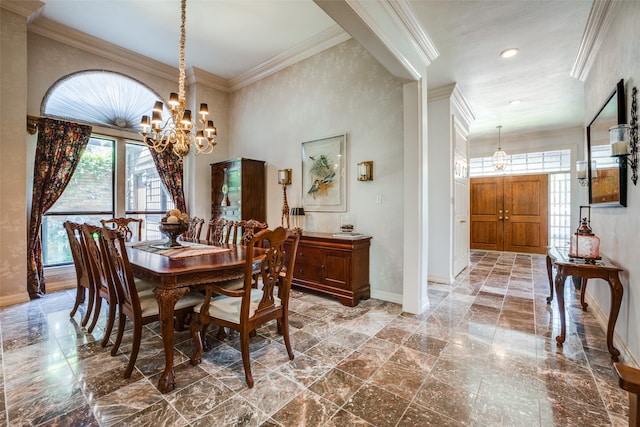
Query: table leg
(616, 299)
(550, 274)
(166, 303)
(560, 279)
(583, 289)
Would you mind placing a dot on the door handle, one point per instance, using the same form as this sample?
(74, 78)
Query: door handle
(507, 211)
(500, 218)
(506, 218)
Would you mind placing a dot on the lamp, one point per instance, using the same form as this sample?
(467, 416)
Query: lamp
(365, 171)
(500, 156)
(179, 131)
(584, 244)
(284, 179)
(624, 141)
(298, 219)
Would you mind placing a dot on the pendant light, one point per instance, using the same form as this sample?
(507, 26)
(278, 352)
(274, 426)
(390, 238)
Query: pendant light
(499, 157)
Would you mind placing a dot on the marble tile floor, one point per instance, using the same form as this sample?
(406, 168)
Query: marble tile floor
(483, 354)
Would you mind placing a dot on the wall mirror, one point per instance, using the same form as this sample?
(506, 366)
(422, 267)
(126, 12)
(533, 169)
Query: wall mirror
(607, 176)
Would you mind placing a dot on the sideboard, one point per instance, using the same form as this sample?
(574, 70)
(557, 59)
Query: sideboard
(334, 266)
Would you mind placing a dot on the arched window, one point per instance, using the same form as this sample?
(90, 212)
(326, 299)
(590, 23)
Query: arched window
(103, 98)
(112, 101)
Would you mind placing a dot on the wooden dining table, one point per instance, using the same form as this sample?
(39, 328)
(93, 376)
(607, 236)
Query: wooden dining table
(173, 277)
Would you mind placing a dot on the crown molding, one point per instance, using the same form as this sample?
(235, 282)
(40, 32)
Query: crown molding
(598, 24)
(441, 92)
(198, 75)
(313, 45)
(29, 9)
(51, 29)
(455, 96)
(408, 24)
(462, 105)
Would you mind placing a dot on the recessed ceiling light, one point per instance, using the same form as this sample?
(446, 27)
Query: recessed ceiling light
(515, 102)
(508, 53)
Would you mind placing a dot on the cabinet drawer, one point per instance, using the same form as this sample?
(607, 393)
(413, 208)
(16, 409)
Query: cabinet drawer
(307, 255)
(310, 272)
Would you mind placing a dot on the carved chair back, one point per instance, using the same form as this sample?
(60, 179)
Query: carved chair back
(124, 226)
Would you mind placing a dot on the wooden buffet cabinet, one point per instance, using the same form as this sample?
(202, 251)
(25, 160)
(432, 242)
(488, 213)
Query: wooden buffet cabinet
(238, 190)
(334, 266)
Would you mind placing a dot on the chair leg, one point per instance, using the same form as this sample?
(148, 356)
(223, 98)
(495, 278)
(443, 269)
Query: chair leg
(206, 345)
(79, 300)
(221, 335)
(135, 347)
(283, 328)
(246, 362)
(96, 313)
(87, 315)
(196, 332)
(111, 319)
(121, 323)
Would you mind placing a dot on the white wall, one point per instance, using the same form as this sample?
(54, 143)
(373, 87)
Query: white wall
(618, 228)
(341, 90)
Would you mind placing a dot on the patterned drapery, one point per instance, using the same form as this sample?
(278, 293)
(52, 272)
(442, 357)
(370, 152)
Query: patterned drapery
(60, 146)
(171, 171)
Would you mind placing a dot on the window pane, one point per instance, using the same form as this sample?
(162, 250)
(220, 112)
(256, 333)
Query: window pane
(91, 187)
(146, 197)
(145, 191)
(55, 244)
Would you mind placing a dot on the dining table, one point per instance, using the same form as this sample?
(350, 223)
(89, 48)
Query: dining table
(174, 272)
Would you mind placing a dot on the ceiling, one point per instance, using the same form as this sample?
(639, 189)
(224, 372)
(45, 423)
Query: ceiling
(231, 37)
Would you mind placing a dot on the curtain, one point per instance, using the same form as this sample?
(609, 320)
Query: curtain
(60, 146)
(171, 171)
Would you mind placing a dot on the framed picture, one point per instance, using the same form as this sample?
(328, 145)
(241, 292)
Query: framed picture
(324, 164)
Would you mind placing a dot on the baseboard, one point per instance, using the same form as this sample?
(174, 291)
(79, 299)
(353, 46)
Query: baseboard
(440, 279)
(386, 296)
(7, 300)
(603, 320)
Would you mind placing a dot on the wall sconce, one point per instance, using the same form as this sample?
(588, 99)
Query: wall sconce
(624, 140)
(582, 173)
(284, 179)
(365, 171)
(298, 219)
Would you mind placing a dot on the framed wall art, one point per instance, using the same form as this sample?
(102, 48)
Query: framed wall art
(324, 164)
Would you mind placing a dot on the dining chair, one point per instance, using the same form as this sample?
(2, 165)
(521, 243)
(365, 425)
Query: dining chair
(124, 225)
(244, 230)
(219, 230)
(74, 233)
(141, 308)
(629, 380)
(246, 308)
(193, 232)
(102, 288)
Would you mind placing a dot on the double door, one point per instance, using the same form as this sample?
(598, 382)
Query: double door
(510, 213)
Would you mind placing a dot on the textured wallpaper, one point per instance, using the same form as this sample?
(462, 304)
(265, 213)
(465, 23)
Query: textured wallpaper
(341, 90)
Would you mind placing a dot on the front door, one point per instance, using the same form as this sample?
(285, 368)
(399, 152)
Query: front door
(510, 213)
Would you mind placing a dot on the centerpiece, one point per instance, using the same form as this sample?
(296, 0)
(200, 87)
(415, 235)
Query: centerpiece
(173, 224)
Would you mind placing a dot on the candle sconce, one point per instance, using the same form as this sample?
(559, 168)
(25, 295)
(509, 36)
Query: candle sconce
(582, 172)
(624, 141)
(365, 171)
(284, 179)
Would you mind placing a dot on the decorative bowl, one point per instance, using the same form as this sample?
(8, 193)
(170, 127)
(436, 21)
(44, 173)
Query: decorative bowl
(172, 231)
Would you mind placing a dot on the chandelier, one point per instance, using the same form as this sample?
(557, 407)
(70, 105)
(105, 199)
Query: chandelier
(179, 132)
(499, 157)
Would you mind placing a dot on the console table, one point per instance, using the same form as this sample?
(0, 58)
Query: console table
(334, 266)
(601, 269)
